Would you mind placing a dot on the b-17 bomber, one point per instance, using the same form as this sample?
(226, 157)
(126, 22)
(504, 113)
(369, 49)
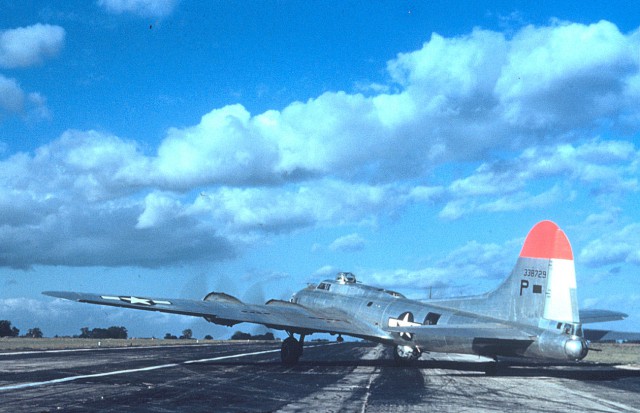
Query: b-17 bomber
(533, 313)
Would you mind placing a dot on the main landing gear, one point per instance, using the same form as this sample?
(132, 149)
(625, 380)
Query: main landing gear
(291, 349)
(404, 355)
(491, 367)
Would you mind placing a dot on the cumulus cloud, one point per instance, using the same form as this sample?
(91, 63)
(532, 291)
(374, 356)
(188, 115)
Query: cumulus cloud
(144, 8)
(210, 189)
(566, 69)
(614, 247)
(31, 45)
(472, 268)
(14, 100)
(459, 100)
(348, 243)
(12, 96)
(25, 47)
(602, 166)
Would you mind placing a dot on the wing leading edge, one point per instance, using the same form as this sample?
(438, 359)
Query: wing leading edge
(281, 315)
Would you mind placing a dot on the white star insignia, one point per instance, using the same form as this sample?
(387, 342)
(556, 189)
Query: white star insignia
(405, 321)
(135, 300)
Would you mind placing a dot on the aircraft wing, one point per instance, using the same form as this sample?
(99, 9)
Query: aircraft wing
(599, 316)
(227, 310)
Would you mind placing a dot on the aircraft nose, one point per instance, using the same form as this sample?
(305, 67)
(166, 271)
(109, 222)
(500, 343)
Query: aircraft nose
(576, 348)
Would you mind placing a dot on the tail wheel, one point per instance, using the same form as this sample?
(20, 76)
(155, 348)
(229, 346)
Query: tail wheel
(291, 351)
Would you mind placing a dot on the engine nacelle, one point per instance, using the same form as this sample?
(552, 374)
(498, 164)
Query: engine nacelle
(221, 298)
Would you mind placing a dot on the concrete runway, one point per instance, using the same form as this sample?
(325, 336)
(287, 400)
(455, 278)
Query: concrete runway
(347, 377)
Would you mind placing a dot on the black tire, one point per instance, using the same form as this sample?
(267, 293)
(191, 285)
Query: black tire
(405, 359)
(491, 369)
(291, 351)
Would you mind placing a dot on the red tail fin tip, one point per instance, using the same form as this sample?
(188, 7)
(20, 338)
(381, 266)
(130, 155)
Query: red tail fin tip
(546, 240)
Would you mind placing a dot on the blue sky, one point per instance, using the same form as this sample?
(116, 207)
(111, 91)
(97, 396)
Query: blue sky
(172, 148)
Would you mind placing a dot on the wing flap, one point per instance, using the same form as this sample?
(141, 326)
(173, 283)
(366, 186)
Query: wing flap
(293, 317)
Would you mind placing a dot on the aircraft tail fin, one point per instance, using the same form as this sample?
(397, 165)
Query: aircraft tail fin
(542, 285)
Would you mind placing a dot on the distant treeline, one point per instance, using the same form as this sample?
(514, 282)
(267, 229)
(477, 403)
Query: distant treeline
(111, 332)
(239, 335)
(6, 330)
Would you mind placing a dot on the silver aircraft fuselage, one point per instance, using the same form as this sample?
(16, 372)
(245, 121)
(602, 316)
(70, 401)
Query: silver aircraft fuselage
(386, 309)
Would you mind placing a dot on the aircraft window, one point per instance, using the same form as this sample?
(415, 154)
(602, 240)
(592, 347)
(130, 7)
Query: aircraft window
(568, 329)
(324, 286)
(370, 303)
(559, 326)
(431, 319)
(392, 293)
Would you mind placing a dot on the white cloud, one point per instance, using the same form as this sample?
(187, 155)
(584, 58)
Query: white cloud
(144, 8)
(38, 106)
(25, 47)
(14, 100)
(158, 210)
(565, 69)
(28, 46)
(471, 268)
(614, 247)
(35, 308)
(603, 167)
(457, 102)
(282, 209)
(348, 243)
(223, 148)
(11, 95)
(91, 198)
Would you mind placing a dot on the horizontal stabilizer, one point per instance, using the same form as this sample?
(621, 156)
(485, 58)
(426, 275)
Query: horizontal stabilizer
(599, 316)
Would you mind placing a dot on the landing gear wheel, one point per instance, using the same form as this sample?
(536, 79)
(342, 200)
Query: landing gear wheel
(403, 355)
(491, 368)
(291, 351)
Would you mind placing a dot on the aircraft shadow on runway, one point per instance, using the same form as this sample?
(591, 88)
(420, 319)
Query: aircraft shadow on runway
(573, 371)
